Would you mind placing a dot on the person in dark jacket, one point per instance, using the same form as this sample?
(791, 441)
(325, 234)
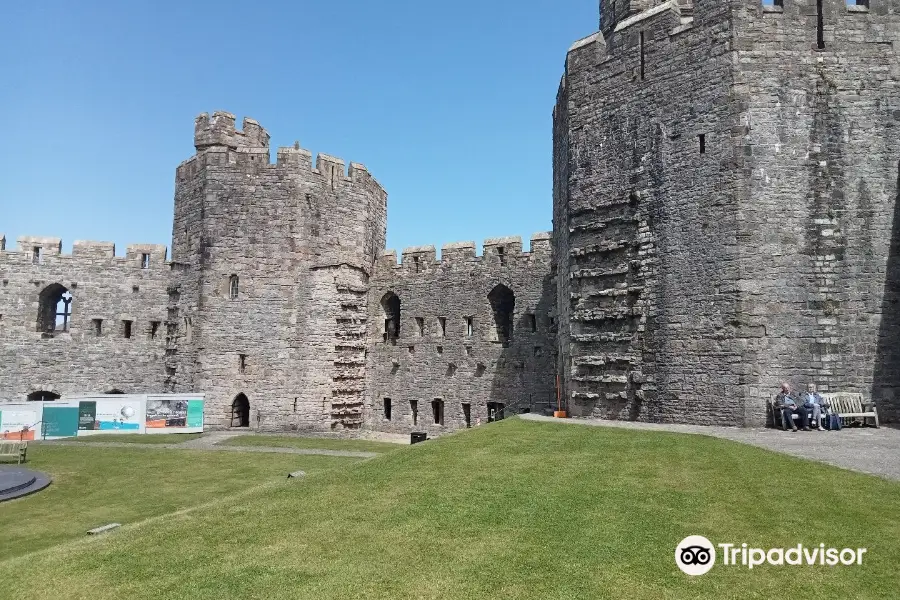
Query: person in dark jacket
(787, 405)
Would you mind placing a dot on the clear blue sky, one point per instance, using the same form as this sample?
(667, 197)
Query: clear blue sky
(448, 104)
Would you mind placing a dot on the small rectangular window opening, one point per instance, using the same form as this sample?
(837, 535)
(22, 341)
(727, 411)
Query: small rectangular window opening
(467, 414)
(98, 327)
(126, 328)
(437, 407)
(387, 409)
(820, 25)
(532, 322)
(642, 56)
(702, 138)
(145, 261)
(414, 409)
(443, 323)
(420, 326)
(470, 326)
(242, 363)
(154, 329)
(501, 254)
(36, 255)
(416, 263)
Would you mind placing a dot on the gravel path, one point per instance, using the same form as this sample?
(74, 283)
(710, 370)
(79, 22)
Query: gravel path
(868, 450)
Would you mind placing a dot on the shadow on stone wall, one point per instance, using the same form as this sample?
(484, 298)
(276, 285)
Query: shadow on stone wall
(886, 383)
(526, 382)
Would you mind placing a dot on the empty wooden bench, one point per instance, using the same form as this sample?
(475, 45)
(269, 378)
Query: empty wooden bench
(15, 450)
(849, 406)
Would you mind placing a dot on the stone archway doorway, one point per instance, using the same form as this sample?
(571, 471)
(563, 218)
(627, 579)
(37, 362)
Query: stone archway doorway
(240, 411)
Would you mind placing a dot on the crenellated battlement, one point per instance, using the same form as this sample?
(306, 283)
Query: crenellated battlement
(47, 250)
(496, 251)
(219, 131)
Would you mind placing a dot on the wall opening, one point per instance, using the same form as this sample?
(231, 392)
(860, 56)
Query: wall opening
(501, 254)
(495, 411)
(702, 138)
(242, 363)
(145, 261)
(42, 396)
(37, 255)
(240, 411)
(532, 322)
(820, 25)
(442, 321)
(437, 408)
(390, 303)
(470, 326)
(98, 327)
(233, 287)
(416, 263)
(126, 329)
(643, 56)
(154, 329)
(387, 409)
(503, 304)
(467, 414)
(414, 411)
(420, 326)
(55, 310)
(115, 392)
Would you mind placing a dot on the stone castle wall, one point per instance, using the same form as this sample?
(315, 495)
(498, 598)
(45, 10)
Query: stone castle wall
(111, 289)
(436, 355)
(725, 213)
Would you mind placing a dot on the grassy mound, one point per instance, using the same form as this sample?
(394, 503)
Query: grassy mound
(514, 510)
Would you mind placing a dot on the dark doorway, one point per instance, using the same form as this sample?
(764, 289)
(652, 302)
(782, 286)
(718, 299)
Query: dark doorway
(115, 392)
(503, 304)
(240, 411)
(495, 411)
(42, 396)
(391, 305)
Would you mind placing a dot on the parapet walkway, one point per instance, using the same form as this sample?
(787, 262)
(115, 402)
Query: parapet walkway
(867, 450)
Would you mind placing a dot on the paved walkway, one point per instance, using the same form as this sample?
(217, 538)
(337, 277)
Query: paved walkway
(868, 450)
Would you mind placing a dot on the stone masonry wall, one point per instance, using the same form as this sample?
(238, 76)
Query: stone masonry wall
(113, 289)
(301, 242)
(431, 361)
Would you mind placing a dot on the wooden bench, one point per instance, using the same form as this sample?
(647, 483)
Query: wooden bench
(849, 406)
(16, 450)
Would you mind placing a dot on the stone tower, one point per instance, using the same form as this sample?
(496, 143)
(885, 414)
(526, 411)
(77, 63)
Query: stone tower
(725, 207)
(267, 306)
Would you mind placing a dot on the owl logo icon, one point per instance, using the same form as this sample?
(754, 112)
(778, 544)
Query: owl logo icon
(695, 555)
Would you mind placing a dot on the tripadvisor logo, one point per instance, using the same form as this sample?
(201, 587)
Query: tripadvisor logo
(696, 555)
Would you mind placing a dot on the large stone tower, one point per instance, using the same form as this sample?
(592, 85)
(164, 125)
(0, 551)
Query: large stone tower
(725, 207)
(267, 307)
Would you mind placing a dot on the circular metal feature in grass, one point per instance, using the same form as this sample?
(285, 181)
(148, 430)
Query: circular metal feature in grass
(16, 481)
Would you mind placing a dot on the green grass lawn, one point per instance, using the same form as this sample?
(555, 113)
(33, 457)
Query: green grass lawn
(516, 509)
(312, 442)
(138, 438)
(96, 486)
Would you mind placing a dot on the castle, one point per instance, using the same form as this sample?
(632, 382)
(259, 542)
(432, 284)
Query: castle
(725, 217)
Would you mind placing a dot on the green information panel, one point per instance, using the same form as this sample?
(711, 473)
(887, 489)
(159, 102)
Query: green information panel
(195, 413)
(60, 421)
(87, 415)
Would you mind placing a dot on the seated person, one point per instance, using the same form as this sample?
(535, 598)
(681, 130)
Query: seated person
(786, 404)
(812, 400)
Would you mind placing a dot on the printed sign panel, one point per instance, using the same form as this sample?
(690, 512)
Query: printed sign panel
(87, 415)
(178, 414)
(18, 424)
(60, 421)
(118, 415)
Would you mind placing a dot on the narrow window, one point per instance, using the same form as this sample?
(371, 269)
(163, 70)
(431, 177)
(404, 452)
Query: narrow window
(467, 414)
(188, 330)
(233, 287)
(470, 327)
(501, 254)
(98, 327)
(242, 363)
(416, 263)
(387, 409)
(154, 328)
(126, 329)
(538, 351)
(390, 303)
(437, 407)
(36, 255)
(414, 409)
(135, 289)
(642, 55)
(532, 322)
(420, 326)
(820, 25)
(145, 261)
(442, 321)
(702, 138)
(503, 303)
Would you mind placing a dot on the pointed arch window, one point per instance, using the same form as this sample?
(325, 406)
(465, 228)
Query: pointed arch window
(233, 287)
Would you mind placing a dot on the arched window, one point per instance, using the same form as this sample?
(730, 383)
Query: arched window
(233, 287)
(240, 411)
(391, 305)
(55, 310)
(42, 396)
(503, 304)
